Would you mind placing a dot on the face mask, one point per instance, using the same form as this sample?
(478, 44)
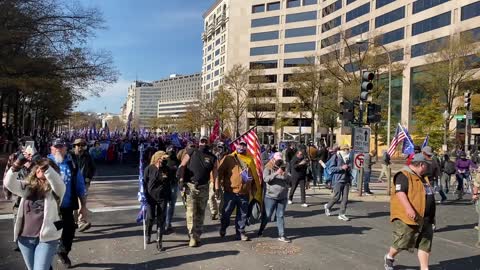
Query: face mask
(241, 150)
(164, 162)
(203, 147)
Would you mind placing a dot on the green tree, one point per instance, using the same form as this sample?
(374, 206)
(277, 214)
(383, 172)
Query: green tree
(429, 120)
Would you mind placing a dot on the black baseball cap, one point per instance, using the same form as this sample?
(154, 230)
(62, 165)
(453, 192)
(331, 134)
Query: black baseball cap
(58, 142)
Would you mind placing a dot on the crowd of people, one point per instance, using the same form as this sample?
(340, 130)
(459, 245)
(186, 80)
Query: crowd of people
(50, 189)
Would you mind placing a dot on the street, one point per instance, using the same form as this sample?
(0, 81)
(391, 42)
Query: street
(318, 241)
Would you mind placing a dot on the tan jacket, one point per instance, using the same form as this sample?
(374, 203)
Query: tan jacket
(416, 196)
(230, 178)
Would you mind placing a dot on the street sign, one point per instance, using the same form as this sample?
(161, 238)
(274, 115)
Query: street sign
(361, 140)
(358, 160)
(469, 115)
(459, 116)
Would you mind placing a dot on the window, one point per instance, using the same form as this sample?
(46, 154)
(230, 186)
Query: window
(332, 8)
(357, 30)
(396, 55)
(261, 121)
(330, 40)
(300, 32)
(289, 92)
(389, 17)
(209, 67)
(262, 93)
(209, 47)
(264, 36)
(265, 21)
(350, 1)
(332, 24)
(300, 47)
(429, 46)
(216, 72)
(351, 67)
(262, 79)
(217, 62)
(391, 36)
(293, 3)
(470, 11)
(264, 64)
(381, 3)
(286, 77)
(273, 6)
(217, 42)
(295, 62)
(421, 5)
(328, 57)
(258, 8)
(360, 11)
(431, 23)
(354, 49)
(264, 50)
(473, 34)
(217, 52)
(309, 2)
(304, 16)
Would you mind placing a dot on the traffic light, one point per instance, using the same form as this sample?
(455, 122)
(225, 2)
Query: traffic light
(366, 85)
(467, 98)
(373, 113)
(347, 114)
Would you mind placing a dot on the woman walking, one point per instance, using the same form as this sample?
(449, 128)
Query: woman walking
(38, 227)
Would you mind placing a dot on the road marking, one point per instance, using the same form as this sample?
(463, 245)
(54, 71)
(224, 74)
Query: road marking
(6, 216)
(120, 208)
(114, 176)
(452, 242)
(114, 181)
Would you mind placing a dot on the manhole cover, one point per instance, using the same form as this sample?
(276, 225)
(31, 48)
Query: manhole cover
(276, 248)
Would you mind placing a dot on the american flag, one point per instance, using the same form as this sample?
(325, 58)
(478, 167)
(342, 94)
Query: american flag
(250, 137)
(400, 135)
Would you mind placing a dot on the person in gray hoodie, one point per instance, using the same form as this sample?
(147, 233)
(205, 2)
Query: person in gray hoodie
(277, 181)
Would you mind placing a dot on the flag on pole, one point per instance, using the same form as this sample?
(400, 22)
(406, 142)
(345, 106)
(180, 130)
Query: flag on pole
(397, 139)
(175, 140)
(250, 137)
(408, 146)
(215, 135)
(141, 191)
(129, 123)
(425, 142)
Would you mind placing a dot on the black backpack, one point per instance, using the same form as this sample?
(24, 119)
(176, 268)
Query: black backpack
(449, 167)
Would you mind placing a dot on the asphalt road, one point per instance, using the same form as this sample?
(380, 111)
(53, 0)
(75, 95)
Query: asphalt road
(319, 242)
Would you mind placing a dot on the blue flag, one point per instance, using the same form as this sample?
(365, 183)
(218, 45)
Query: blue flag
(175, 140)
(141, 191)
(425, 142)
(408, 146)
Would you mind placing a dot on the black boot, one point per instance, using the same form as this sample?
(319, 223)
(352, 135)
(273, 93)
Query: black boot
(159, 240)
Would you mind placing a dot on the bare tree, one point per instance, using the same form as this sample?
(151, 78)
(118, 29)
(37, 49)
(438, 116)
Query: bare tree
(236, 82)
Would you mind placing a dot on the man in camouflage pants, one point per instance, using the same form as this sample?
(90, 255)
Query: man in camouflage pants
(195, 170)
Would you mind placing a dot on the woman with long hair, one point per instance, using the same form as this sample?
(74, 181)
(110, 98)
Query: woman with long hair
(39, 226)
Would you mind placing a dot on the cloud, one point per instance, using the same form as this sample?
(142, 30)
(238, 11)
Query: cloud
(112, 98)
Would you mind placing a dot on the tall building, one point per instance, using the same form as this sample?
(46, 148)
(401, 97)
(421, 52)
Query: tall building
(163, 98)
(281, 34)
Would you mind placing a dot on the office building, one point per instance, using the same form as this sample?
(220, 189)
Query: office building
(281, 34)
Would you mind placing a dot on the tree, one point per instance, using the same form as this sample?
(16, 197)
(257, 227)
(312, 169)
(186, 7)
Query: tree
(191, 121)
(236, 82)
(449, 71)
(429, 120)
(220, 107)
(257, 96)
(115, 123)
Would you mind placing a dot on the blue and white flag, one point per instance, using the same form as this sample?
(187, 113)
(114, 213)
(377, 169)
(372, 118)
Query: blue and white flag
(141, 191)
(408, 146)
(175, 140)
(425, 142)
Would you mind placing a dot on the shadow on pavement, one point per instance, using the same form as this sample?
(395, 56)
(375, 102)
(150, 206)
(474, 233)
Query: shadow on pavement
(456, 227)
(163, 262)
(296, 233)
(372, 215)
(468, 263)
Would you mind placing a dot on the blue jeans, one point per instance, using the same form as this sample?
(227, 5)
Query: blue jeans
(460, 178)
(354, 177)
(366, 181)
(279, 207)
(37, 255)
(232, 201)
(171, 205)
(315, 167)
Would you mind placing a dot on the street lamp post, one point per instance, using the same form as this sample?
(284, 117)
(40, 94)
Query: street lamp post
(389, 112)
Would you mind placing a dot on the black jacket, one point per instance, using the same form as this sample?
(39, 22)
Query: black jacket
(156, 184)
(297, 170)
(85, 164)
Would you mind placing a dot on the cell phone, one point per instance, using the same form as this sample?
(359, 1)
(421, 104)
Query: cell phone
(30, 147)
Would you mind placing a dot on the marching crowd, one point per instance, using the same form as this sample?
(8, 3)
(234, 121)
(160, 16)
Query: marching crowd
(50, 190)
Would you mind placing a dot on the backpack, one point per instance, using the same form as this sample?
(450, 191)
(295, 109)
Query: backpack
(449, 167)
(327, 173)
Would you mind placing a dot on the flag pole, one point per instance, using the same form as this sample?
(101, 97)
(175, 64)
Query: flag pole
(244, 133)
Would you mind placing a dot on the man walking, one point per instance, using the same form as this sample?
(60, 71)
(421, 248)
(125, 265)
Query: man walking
(342, 177)
(75, 192)
(298, 170)
(172, 165)
(86, 166)
(385, 165)
(412, 212)
(195, 169)
(368, 161)
(313, 156)
(236, 180)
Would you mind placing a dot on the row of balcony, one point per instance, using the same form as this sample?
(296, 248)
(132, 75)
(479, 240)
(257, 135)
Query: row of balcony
(220, 21)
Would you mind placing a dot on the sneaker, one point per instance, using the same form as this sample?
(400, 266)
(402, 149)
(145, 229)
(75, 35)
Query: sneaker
(193, 242)
(290, 202)
(476, 228)
(259, 233)
(63, 256)
(214, 217)
(244, 237)
(284, 239)
(169, 230)
(304, 205)
(327, 211)
(343, 217)
(388, 263)
(222, 232)
(369, 193)
(84, 226)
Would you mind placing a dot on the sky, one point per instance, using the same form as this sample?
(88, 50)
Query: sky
(149, 40)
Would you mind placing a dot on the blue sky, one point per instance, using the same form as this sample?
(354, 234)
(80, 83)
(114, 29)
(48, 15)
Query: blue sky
(149, 40)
